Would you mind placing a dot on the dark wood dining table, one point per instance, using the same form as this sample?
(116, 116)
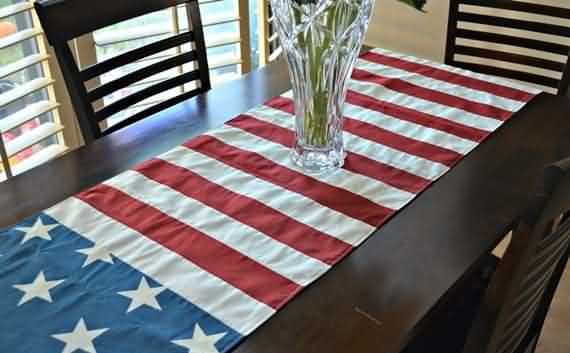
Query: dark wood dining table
(378, 297)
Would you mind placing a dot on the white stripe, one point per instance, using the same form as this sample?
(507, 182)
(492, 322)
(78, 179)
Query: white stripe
(482, 77)
(457, 115)
(463, 92)
(379, 193)
(265, 250)
(390, 156)
(291, 204)
(229, 305)
(386, 155)
(411, 130)
(402, 127)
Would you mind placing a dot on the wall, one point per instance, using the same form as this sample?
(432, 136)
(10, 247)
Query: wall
(400, 27)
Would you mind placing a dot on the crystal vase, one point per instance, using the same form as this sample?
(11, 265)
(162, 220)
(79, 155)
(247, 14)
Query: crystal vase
(321, 40)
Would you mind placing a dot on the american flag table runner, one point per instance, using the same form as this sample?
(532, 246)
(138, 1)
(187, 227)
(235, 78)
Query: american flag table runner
(193, 250)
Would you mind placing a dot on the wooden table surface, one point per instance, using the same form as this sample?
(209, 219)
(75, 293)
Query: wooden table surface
(376, 298)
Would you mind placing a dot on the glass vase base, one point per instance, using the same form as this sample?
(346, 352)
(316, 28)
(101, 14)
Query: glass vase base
(317, 160)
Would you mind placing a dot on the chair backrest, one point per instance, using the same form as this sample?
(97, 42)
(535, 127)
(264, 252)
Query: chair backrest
(64, 20)
(467, 17)
(520, 292)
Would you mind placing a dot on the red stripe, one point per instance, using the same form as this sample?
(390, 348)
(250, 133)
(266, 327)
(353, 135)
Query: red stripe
(335, 198)
(354, 162)
(264, 129)
(416, 117)
(398, 112)
(281, 103)
(214, 257)
(383, 137)
(451, 77)
(248, 211)
(401, 143)
(433, 95)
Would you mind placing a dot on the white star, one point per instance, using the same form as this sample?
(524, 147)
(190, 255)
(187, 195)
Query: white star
(200, 342)
(79, 338)
(39, 288)
(96, 253)
(143, 295)
(38, 230)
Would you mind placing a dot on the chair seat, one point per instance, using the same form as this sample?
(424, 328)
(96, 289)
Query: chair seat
(451, 322)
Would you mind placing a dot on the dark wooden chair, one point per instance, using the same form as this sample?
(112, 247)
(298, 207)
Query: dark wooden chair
(506, 313)
(460, 14)
(64, 20)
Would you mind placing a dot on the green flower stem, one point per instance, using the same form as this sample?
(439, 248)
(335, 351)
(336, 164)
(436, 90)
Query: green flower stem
(316, 114)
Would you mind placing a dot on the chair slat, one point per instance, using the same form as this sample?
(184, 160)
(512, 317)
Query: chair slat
(528, 288)
(555, 240)
(141, 95)
(514, 41)
(68, 19)
(540, 266)
(557, 245)
(135, 55)
(512, 341)
(525, 301)
(523, 315)
(527, 7)
(520, 292)
(152, 110)
(514, 23)
(510, 57)
(547, 253)
(513, 74)
(64, 20)
(140, 75)
(520, 323)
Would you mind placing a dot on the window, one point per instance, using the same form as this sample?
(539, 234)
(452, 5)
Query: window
(30, 132)
(269, 48)
(226, 31)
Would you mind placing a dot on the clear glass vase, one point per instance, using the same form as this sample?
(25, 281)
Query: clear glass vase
(321, 40)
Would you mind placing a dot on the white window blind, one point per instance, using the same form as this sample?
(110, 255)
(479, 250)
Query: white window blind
(30, 129)
(226, 31)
